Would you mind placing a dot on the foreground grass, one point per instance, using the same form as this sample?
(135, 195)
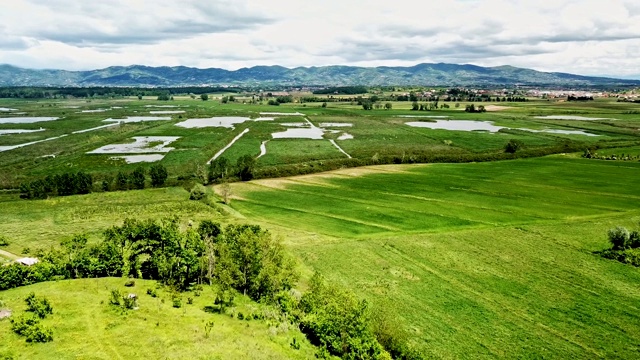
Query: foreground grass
(86, 326)
(481, 260)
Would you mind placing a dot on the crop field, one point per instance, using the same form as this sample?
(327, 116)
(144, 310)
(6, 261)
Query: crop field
(482, 260)
(35, 147)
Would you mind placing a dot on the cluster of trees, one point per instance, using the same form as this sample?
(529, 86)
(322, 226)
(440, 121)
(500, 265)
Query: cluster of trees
(579, 98)
(427, 107)
(137, 179)
(625, 246)
(473, 109)
(222, 170)
(57, 185)
(241, 257)
(344, 90)
(103, 92)
(280, 100)
(587, 154)
(82, 183)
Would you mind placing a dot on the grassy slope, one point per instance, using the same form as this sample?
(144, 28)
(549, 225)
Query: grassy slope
(481, 260)
(85, 326)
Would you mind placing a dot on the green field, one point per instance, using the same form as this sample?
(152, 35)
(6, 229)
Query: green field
(375, 133)
(481, 260)
(86, 326)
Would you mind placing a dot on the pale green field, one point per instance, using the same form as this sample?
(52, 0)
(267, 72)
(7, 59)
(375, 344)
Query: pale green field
(86, 326)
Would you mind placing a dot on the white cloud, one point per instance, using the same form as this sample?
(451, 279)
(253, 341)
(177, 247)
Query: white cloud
(585, 36)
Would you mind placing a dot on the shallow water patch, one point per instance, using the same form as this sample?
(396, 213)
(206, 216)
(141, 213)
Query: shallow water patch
(134, 159)
(18, 131)
(135, 119)
(220, 121)
(27, 120)
(141, 145)
(458, 125)
(570, 117)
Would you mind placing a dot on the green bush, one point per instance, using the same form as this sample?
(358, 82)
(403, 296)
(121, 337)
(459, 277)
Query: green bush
(39, 306)
(152, 292)
(116, 297)
(513, 146)
(177, 302)
(130, 283)
(619, 238)
(198, 192)
(31, 329)
(3, 241)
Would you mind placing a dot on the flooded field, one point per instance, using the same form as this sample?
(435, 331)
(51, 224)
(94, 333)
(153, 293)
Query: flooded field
(27, 120)
(219, 121)
(18, 131)
(134, 159)
(135, 119)
(570, 117)
(141, 145)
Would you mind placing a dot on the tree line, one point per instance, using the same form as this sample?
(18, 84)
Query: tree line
(108, 92)
(82, 183)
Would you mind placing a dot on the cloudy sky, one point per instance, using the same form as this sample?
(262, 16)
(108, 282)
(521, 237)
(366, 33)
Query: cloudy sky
(591, 37)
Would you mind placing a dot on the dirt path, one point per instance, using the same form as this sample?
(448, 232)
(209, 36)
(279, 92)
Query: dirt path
(217, 155)
(9, 255)
(263, 149)
(339, 148)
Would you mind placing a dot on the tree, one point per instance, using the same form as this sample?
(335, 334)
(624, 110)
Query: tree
(204, 97)
(122, 181)
(367, 105)
(138, 178)
(225, 191)
(415, 106)
(245, 167)
(158, 175)
(164, 97)
(324, 104)
(388, 106)
(219, 169)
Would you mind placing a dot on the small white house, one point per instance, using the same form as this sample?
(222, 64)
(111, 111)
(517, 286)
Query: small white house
(27, 261)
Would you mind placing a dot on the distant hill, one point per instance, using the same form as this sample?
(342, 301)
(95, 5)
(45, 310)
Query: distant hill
(421, 74)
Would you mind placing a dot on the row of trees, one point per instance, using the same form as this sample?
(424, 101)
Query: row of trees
(473, 109)
(242, 257)
(82, 183)
(104, 92)
(57, 185)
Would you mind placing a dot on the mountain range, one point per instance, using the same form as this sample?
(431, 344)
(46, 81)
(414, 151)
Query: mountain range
(440, 74)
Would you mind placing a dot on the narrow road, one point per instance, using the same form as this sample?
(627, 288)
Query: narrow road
(217, 155)
(339, 148)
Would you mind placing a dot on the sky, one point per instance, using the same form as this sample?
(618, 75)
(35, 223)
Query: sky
(589, 37)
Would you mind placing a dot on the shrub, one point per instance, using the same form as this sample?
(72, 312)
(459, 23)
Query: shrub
(130, 283)
(130, 301)
(190, 300)
(513, 146)
(3, 241)
(177, 302)
(198, 192)
(115, 298)
(31, 329)
(634, 240)
(152, 292)
(39, 306)
(619, 238)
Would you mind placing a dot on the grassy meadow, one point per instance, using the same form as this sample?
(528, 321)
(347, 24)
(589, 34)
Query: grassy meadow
(479, 260)
(86, 326)
(486, 260)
